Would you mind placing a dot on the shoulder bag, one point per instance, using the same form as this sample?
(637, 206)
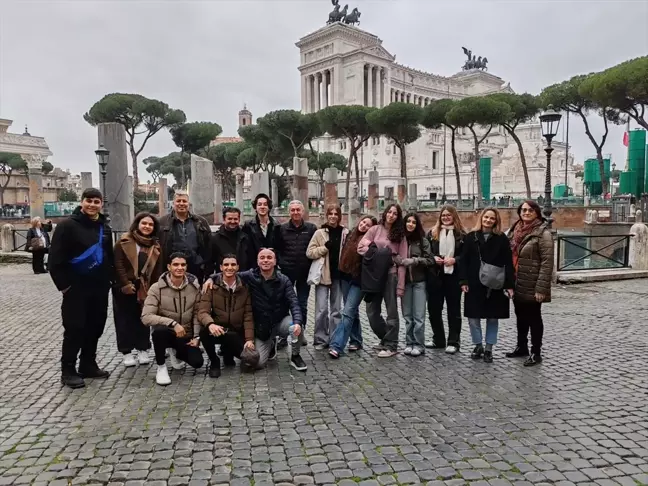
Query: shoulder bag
(90, 259)
(490, 276)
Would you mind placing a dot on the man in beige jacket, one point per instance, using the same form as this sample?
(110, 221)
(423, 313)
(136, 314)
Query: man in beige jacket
(171, 309)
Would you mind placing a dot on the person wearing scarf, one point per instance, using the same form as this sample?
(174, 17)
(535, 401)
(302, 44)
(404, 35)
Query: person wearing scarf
(137, 266)
(533, 260)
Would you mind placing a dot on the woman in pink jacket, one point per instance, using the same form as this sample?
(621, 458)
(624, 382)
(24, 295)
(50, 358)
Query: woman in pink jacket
(390, 233)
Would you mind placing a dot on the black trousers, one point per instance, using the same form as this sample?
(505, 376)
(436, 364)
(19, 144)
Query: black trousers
(131, 333)
(38, 260)
(165, 337)
(231, 344)
(529, 317)
(84, 311)
(449, 292)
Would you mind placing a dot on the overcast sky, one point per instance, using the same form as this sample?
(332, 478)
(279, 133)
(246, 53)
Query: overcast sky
(209, 57)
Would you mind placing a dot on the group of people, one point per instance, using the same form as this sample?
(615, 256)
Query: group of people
(246, 287)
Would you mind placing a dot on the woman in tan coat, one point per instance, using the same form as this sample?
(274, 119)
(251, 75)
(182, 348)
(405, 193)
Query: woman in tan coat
(327, 244)
(137, 266)
(533, 259)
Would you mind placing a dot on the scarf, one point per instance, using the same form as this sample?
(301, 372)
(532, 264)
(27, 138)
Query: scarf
(521, 231)
(447, 245)
(147, 245)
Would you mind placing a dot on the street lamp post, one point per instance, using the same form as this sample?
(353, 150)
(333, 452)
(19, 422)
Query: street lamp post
(103, 154)
(549, 121)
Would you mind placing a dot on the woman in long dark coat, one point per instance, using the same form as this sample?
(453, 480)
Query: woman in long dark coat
(38, 243)
(486, 243)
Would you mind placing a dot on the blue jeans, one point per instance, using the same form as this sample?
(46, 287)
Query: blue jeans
(492, 326)
(349, 326)
(302, 289)
(413, 308)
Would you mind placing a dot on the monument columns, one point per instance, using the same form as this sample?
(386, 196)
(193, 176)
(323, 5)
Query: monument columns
(318, 93)
(113, 137)
(372, 193)
(35, 176)
(309, 94)
(218, 199)
(300, 182)
(325, 95)
(331, 187)
(162, 197)
(86, 180)
(370, 83)
(202, 185)
(304, 94)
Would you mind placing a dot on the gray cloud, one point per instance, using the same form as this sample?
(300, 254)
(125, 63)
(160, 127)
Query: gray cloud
(208, 58)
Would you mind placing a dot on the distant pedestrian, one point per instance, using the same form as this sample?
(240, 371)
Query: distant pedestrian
(419, 259)
(188, 233)
(81, 266)
(446, 242)
(291, 241)
(349, 330)
(389, 234)
(38, 243)
(486, 245)
(138, 265)
(533, 258)
(326, 244)
(261, 229)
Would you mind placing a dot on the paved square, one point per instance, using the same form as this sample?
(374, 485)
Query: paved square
(579, 418)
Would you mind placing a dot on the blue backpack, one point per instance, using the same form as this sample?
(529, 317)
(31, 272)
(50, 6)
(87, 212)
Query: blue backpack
(90, 259)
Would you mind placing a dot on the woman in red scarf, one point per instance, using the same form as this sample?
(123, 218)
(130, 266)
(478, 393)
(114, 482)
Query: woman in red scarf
(533, 259)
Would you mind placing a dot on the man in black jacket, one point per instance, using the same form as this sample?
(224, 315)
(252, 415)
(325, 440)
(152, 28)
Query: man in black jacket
(184, 232)
(273, 303)
(260, 230)
(231, 240)
(291, 241)
(81, 266)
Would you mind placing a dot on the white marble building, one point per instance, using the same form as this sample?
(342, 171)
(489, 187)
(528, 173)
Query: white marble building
(341, 64)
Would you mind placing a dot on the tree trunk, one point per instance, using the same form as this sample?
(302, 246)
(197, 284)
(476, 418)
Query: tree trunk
(599, 148)
(2, 190)
(479, 187)
(357, 170)
(456, 166)
(135, 171)
(525, 170)
(403, 165)
(601, 163)
(347, 191)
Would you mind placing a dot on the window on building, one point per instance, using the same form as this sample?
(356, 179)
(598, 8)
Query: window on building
(375, 141)
(435, 160)
(366, 143)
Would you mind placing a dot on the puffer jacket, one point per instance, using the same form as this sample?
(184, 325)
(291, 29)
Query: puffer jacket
(291, 243)
(535, 264)
(231, 310)
(317, 249)
(167, 306)
(272, 300)
(420, 250)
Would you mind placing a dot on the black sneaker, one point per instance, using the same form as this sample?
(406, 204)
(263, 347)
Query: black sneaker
(214, 370)
(298, 363)
(281, 343)
(533, 360)
(488, 356)
(273, 350)
(92, 371)
(478, 352)
(72, 379)
(229, 361)
(518, 352)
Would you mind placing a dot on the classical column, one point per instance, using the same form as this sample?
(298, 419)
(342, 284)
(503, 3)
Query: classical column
(311, 93)
(35, 178)
(240, 180)
(383, 88)
(413, 197)
(162, 197)
(304, 98)
(318, 92)
(113, 137)
(389, 195)
(332, 85)
(300, 182)
(275, 196)
(370, 85)
(218, 199)
(86, 180)
(331, 187)
(401, 191)
(372, 193)
(202, 185)
(325, 83)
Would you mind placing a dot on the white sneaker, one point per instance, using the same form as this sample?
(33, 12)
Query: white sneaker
(143, 357)
(408, 350)
(130, 360)
(162, 376)
(415, 352)
(176, 364)
(451, 349)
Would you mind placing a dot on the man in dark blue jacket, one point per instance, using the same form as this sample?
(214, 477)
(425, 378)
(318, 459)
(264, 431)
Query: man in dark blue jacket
(275, 309)
(81, 266)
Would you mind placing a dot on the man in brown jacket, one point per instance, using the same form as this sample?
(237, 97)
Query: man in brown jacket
(225, 312)
(171, 309)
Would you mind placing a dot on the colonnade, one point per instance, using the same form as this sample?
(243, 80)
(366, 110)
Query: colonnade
(405, 97)
(319, 90)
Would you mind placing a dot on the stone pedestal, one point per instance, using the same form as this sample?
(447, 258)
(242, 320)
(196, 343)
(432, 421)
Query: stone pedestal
(389, 195)
(412, 197)
(372, 193)
(638, 257)
(401, 192)
(300, 182)
(86, 181)
(260, 183)
(218, 200)
(163, 195)
(201, 196)
(36, 202)
(6, 238)
(331, 187)
(354, 207)
(275, 196)
(240, 179)
(113, 137)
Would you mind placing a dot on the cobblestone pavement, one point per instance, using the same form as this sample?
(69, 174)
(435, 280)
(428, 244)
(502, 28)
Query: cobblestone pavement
(579, 418)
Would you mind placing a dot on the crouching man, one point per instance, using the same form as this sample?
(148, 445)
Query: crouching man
(225, 313)
(171, 309)
(273, 302)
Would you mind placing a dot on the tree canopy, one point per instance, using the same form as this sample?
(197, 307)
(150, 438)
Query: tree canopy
(139, 116)
(171, 164)
(67, 195)
(291, 126)
(47, 167)
(193, 137)
(265, 150)
(623, 87)
(9, 163)
(318, 162)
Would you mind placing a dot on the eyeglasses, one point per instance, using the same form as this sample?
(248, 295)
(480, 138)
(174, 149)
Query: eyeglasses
(527, 210)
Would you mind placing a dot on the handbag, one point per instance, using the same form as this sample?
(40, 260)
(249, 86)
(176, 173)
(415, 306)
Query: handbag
(36, 243)
(315, 272)
(491, 276)
(90, 259)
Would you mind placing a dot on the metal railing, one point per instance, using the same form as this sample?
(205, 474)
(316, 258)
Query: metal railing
(592, 252)
(19, 239)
